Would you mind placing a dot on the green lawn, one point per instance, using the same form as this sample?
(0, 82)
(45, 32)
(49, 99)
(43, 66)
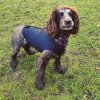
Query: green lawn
(82, 57)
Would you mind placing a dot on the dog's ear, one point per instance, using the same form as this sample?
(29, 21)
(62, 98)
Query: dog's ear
(52, 27)
(75, 18)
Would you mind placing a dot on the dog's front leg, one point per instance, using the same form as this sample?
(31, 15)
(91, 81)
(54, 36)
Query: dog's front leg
(41, 67)
(58, 66)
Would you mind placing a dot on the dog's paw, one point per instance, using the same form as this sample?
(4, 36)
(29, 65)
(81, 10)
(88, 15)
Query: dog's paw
(14, 70)
(60, 70)
(39, 85)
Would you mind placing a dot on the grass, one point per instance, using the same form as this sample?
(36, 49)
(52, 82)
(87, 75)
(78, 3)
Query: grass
(82, 57)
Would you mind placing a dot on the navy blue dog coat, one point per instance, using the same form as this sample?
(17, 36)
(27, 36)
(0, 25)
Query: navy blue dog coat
(39, 39)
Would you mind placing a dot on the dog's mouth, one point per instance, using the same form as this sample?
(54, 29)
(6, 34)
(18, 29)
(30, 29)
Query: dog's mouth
(68, 27)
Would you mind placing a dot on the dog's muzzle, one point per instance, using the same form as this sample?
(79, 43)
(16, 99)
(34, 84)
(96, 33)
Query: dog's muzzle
(66, 24)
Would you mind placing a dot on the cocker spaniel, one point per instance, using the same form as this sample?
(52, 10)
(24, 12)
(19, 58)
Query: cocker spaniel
(50, 41)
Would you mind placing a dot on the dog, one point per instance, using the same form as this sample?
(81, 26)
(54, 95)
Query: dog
(50, 41)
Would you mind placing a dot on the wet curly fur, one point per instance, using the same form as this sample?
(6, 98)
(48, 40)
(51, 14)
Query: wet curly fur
(52, 25)
(54, 32)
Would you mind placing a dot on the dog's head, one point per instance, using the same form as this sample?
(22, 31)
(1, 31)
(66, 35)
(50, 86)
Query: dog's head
(63, 19)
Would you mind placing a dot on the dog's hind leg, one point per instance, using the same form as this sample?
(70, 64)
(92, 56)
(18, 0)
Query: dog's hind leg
(14, 62)
(17, 43)
(27, 49)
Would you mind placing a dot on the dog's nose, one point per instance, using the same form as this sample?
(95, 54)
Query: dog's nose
(68, 22)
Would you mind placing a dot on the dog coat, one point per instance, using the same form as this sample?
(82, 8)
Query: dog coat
(39, 39)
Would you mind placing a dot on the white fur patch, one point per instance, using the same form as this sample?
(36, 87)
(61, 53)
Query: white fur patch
(65, 11)
(66, 17)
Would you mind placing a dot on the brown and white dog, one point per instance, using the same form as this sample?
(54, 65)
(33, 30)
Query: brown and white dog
(62, 22)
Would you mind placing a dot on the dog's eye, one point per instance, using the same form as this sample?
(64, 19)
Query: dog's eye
(70, 14)
(61, 13)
